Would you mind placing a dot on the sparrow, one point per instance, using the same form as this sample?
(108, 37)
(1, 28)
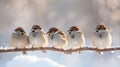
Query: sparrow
(101, 38)
(76, 38)
(19, 38)
(37, 37)
(57, 38)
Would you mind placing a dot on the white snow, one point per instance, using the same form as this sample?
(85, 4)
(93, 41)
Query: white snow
(32, 61)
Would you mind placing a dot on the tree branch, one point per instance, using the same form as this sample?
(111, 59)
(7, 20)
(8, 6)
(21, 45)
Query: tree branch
(59, 50)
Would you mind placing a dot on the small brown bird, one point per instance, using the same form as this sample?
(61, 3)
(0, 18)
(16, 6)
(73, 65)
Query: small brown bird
(19, 38)
(57, 38)
(76, 38)
(101, 38)
(37, 37)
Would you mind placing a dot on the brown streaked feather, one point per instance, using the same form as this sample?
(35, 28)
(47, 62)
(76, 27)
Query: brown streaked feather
(101, 27)
(63, 34)
(36, 27)
(74, 28)
(19, 29)
(53, 29)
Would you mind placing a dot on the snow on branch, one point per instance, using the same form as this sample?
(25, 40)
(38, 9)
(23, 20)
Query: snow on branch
(59, 50)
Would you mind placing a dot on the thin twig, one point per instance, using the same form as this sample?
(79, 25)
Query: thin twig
(59, 50)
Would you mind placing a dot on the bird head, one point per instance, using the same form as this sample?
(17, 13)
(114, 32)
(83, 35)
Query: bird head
(53, 30)
(20, 30)
(36, 27)
(100, 27)
(73, 28)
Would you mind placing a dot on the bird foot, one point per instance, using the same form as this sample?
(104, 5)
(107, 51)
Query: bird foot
(53, 47)
(16, 48)
(32, 47)
(80, 47)
(105, 48)
(97, 47)
(24, 47)
(41, 46)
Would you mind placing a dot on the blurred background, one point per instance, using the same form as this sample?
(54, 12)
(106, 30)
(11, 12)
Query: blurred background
(86, 14)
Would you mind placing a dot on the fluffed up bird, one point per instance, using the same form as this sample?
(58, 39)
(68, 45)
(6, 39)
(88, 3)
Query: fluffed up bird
(76, 38)
(37, 37)
(57, 38)
(19, 39)
(101, 38)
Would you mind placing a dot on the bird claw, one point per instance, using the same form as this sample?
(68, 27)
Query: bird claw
(69, 51)
(41, 47)
(24, 47)
(97, 47)
(70, 48)
(80, 47)
(32, 47)
(24, 52)
(105, 48)
(61, 49)
(15, 48)
(53, 47)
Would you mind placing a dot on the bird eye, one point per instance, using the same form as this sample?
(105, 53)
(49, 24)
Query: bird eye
(21, 31)
(71, 30)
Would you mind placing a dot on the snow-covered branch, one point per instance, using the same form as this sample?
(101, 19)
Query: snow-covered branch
(59, 50)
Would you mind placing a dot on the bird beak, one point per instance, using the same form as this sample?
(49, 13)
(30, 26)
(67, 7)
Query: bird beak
(33, 30)
(96, 30)
(68, 31)
(23, 33)
(48, 32)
